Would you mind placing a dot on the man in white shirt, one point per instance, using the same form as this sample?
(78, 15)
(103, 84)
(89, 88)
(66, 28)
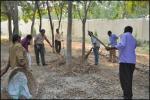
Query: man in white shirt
(96, 46)
(39, 46)
(58, 41)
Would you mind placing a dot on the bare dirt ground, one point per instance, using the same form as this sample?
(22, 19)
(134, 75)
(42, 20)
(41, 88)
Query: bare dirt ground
(57, 81)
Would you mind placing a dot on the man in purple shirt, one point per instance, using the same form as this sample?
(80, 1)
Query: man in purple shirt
(127, 60)
(112, 42)
(25, 43)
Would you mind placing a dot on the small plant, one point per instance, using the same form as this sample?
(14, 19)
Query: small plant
(95, 33)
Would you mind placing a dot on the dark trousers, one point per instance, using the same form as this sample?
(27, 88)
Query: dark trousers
(57, 46)
(39, 49)
(96, 51)
(126, 75)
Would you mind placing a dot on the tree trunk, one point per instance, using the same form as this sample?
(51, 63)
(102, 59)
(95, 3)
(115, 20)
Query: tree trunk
(83, 40)
(33, 18)
(51, 24)
(59, 21)
(15, 18)
(60, 15)
(9, 27)
(40, 26)
(8, 8)
(69, 37)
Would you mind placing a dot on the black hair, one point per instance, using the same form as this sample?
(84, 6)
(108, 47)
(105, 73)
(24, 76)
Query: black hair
(29, 37)
(109, 33)
(15, 38)
(128, 29)
(90, 33)
(42, 31)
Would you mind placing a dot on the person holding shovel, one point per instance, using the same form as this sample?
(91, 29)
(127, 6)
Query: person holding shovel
(127, 60)
(96, 46)
(39, 46)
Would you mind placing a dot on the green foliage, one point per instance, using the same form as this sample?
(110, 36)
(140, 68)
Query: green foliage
(98, 9)
(3, 18)
(3, 11)
(95, 33)
(27, 10)
(119, 9)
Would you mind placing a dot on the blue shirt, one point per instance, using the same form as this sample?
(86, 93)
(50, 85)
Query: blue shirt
(113, 40)
(95, 41)
(127, 48)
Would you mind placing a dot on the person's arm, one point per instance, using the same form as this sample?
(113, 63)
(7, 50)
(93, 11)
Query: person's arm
(47, 41)
(120, 45)
(61, 36)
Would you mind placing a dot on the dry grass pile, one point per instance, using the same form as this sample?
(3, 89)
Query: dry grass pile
(76, 68)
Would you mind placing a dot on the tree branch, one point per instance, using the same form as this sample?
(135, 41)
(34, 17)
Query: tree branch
(88, 6)
(79, 14)
(56, 12)
(61, 9)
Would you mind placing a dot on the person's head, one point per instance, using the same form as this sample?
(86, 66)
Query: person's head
(57, 30)
(109, 33)
(16, 38)
(42, 31)
(29, 37)
(90, 33)
(128, 29)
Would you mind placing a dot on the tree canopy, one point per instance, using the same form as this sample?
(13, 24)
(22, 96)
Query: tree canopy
(99, 9)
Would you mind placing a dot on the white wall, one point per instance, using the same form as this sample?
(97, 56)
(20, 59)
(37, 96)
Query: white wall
(140, 27)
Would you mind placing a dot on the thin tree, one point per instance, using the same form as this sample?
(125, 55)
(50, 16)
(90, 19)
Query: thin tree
(15, 17)
(39, 12)
(6, 10)
(51, 24)
(59, 14)
(86, 5)
(69, 36)
(33, 18)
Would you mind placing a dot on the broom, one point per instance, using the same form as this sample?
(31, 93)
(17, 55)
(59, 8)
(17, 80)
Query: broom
(88, 53)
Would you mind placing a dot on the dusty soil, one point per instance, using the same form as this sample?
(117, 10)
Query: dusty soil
(57, 81)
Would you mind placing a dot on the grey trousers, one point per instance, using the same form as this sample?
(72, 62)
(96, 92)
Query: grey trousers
(39, 49)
